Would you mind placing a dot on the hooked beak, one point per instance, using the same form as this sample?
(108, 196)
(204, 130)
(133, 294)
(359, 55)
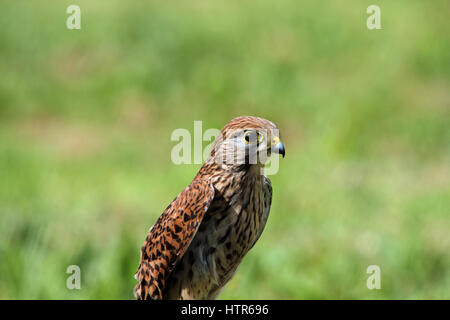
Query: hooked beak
(278, 146)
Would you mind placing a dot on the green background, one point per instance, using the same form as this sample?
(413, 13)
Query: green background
(86, 118)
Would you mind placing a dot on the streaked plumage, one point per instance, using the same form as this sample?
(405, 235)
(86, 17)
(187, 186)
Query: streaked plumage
(198, 242)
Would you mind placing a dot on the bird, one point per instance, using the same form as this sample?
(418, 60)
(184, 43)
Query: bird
(198, 242)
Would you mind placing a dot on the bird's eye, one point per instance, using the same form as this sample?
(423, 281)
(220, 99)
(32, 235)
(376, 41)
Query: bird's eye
(253, 136)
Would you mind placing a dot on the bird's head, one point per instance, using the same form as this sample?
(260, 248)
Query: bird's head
(246, 141)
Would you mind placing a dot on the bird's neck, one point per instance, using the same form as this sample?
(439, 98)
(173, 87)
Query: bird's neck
(235, 177)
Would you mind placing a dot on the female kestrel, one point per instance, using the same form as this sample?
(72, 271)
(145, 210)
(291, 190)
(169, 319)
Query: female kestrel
(198, 242)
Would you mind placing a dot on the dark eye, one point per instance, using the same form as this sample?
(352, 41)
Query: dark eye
(253, 136)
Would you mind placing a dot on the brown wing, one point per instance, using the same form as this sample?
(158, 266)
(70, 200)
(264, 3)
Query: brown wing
(169, 238)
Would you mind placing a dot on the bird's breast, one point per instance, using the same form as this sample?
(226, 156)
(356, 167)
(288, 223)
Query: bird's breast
(227, 232)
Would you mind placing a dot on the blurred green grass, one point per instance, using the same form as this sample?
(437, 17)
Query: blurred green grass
(86, 117)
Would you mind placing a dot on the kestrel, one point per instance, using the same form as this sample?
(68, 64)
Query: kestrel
(198, 242)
